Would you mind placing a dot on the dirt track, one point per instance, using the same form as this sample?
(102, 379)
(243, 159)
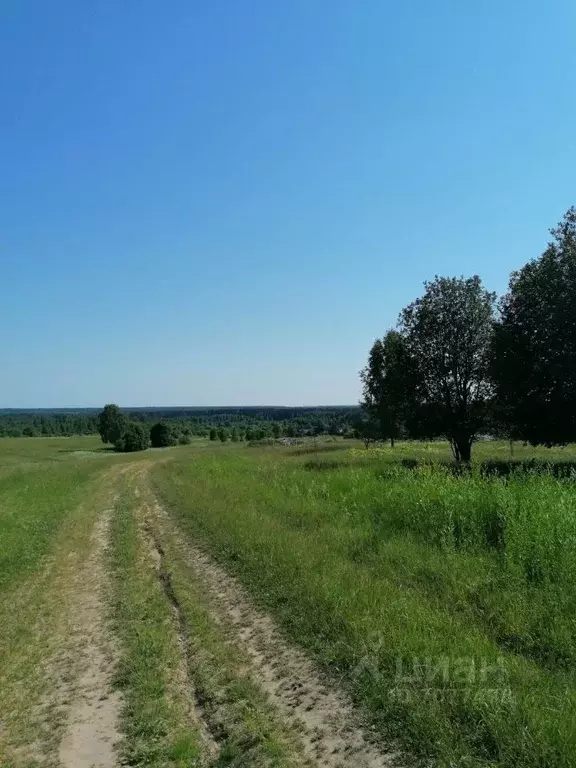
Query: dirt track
(314, 724)
(92, 730)
(322, 716)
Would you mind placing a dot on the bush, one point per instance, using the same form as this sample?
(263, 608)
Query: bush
(184, 439)
(162, 435)
(135, 437)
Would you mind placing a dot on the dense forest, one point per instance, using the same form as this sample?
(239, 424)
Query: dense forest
(249, 423)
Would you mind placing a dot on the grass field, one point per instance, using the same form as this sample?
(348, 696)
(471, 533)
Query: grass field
(287, 606)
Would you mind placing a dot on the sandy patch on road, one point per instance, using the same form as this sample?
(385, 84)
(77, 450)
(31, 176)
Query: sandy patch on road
(91, 732)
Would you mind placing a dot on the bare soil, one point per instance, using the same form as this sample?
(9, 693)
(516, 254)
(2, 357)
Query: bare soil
(91, 732)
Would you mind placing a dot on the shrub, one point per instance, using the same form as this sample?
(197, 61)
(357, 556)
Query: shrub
(162, 435)
(135, 437)
(184, 439)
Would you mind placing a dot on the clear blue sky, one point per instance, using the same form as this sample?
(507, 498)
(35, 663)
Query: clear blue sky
(226, 202)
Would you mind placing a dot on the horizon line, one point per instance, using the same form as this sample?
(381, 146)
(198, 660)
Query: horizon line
(166, 407)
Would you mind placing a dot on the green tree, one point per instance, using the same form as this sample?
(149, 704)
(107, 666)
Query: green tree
(448, 336)
(235, 437)
(222, 435)
(162, 435)
(111, 423)
(277, 429)
(213, 434)
(385, 381)
(534, 361)
(135, 437)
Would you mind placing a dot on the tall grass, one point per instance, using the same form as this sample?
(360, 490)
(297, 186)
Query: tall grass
(34, 503)
(529, 519)
(380, 569)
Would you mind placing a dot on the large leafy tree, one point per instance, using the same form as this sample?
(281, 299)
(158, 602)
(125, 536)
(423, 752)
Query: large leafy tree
(384, 384)
(448, 334)
(534, 363)
(111, 423)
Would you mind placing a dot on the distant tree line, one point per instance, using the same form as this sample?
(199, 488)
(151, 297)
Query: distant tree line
(461, 364)
(16, 423)
(127, 434)
(248, 423)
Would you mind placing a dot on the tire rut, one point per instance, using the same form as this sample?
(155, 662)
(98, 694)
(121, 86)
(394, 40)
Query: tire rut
(209, 736)
(323, 716)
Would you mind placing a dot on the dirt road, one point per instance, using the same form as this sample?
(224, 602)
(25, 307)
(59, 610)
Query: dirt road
(226, 684)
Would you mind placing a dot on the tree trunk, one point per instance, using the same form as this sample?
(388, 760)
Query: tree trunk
(465, 450)
(392, 441)
(461, 449)
(454, 448)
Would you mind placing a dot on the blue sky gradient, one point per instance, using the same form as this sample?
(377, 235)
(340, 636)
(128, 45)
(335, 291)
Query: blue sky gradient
(225, 203)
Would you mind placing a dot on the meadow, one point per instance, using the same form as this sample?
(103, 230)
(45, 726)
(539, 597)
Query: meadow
(444, 601)
(440, 601)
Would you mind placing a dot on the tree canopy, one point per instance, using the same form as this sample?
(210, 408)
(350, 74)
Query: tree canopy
(455, 367)
(432, 373)
(162, 435)
(534, 360)
(134, 437)
(111, 423)
(385, 381)
(448, 333)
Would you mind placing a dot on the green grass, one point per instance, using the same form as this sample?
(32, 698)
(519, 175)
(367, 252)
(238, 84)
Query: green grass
(154, 721)
(47, 512)
(383, 569)
(443, 601)
(249, 732)
(160, 717)
(19, 450)
(36, 496)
